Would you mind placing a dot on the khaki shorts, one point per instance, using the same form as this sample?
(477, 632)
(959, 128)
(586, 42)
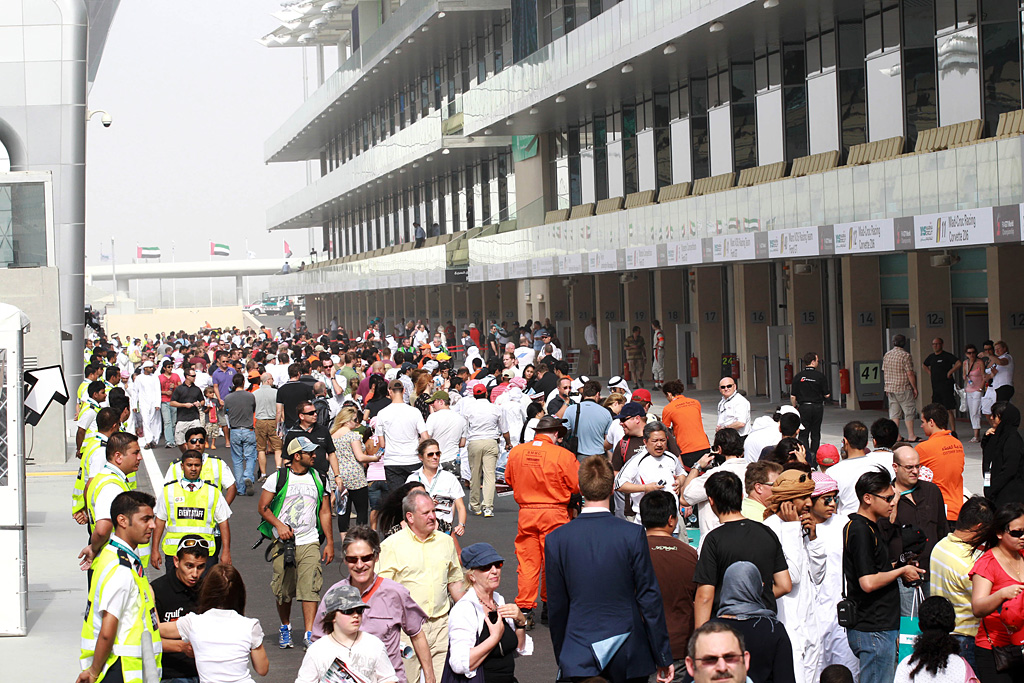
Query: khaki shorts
(181, 427)
(902, 405)
(303, 581)
(266, 433)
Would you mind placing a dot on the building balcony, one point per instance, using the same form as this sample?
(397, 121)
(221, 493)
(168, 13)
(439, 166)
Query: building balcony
(415, 34)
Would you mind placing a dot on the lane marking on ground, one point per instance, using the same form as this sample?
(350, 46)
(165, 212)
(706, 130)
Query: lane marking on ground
(153, 470)
(52, 474)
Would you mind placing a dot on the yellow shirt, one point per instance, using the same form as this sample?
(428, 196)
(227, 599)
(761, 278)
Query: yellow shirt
(752, 510)
(951, 561)
(425, 568)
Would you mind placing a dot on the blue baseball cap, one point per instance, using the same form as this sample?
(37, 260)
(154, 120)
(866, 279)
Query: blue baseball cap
(301, 443)
(480, 555)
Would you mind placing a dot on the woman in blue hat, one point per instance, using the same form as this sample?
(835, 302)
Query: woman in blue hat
(484, 633)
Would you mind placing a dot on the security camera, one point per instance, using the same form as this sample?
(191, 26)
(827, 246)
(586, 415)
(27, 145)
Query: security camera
(106, 120)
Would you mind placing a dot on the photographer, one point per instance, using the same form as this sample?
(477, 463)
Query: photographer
(726, 456)
(870, 581)
(919, 507)
(656, 469)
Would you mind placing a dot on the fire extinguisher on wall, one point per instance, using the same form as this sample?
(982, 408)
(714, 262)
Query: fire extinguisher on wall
(788, 372)
(735, 368)
(625, 371)
(844, 381)
(694, 367)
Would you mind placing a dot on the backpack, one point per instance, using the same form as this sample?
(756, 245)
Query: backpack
(323, 412)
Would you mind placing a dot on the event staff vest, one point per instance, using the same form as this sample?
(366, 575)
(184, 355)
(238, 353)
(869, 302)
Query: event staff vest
(93, 446)
(212, 471)
(277, 502)
(87, 404)
(110, 476)
(189, 512)
(82, 395)
(128, 642)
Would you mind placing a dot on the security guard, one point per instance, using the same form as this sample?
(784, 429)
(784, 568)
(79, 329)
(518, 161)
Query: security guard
(191, 506)
(93, 371)
(123, 458)
(215, 471)
(93, 459)
(543, 477)
(121, 633)
(86, 423)
(808, 395)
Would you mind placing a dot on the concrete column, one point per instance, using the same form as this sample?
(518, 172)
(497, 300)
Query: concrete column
(710, 329)
(532, 179)
(638, 306)
(608, 308)
(1005, 310)
(931, 310)
(752, 316)
(805, 308)
(862, 317)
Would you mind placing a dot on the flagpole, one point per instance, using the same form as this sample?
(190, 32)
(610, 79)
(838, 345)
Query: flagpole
(247, 300)
(211, 277)
(113, 270)
(174, 294)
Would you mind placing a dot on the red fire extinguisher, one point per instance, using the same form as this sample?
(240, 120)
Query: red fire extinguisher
(788, 368)
(625, 371)
(735, 368)
(694, 367)
(844, 381)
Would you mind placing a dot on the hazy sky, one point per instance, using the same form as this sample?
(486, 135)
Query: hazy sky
(193, 97)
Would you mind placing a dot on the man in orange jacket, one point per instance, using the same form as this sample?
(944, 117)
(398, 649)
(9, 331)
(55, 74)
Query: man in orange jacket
(943, 454)
(543, 477)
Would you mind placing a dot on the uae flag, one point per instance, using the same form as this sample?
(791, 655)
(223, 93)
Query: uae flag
(219, 249)
(148, 252)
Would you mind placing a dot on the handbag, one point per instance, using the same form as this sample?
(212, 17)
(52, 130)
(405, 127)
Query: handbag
(846, 609)
(961, 397)
(1006, 656)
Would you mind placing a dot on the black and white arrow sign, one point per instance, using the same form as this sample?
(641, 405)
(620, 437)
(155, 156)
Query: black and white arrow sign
(47, 385)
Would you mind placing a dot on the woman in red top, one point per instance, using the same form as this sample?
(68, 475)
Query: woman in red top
(997, 576)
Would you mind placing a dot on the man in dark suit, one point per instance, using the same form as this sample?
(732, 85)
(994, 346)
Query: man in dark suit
(606, 612)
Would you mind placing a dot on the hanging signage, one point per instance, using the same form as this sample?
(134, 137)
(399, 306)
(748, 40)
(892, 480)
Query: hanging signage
(953, 229)
(864, 237)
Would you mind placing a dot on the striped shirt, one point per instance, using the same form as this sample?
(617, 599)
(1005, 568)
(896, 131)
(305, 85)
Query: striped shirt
(951, 562)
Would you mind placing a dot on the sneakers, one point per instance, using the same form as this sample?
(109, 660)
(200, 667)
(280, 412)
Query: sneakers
(249, 489)
(475, 511)
(285, 639)
(307, 640)
(528, 614)
(488, 512)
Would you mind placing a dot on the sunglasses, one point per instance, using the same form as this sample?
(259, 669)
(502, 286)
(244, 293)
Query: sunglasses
(712, 660)
(309, 412)
(827, 500)
(193, 542)
(488, 567)
(887, 499)
(1016, 533)
(432, 453)
(353, 611)
(195, 441)
(726, 386)
(352, 559)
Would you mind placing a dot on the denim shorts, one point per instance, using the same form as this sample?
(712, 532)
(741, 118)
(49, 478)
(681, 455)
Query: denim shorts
(378, 489)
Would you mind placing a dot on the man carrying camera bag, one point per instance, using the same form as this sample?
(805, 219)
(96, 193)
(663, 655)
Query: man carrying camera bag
(870, 611)
(296, 513)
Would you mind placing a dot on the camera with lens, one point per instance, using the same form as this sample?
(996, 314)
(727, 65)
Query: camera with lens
(910, 558)
(289, 552)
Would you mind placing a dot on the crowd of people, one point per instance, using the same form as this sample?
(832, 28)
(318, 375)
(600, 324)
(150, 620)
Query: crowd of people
(647, 548)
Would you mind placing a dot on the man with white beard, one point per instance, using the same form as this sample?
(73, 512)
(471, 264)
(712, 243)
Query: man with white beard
(147, 391)
(791, 520)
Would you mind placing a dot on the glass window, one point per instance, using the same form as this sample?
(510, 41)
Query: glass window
(891, 28)
(873, 34)
(959, 89)
(885, 97)
(1001, 70)
(524, 29)
(22, 225)
(744, 130)
(700, 145)
(852, 108)
(813, 55)
(828, 50)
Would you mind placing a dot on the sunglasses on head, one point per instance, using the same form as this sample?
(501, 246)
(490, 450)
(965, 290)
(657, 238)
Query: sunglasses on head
(193, 542)
(352, 559)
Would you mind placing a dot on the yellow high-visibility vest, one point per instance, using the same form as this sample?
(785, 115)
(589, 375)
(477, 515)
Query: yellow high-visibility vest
(189, 512)
(128, 642)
